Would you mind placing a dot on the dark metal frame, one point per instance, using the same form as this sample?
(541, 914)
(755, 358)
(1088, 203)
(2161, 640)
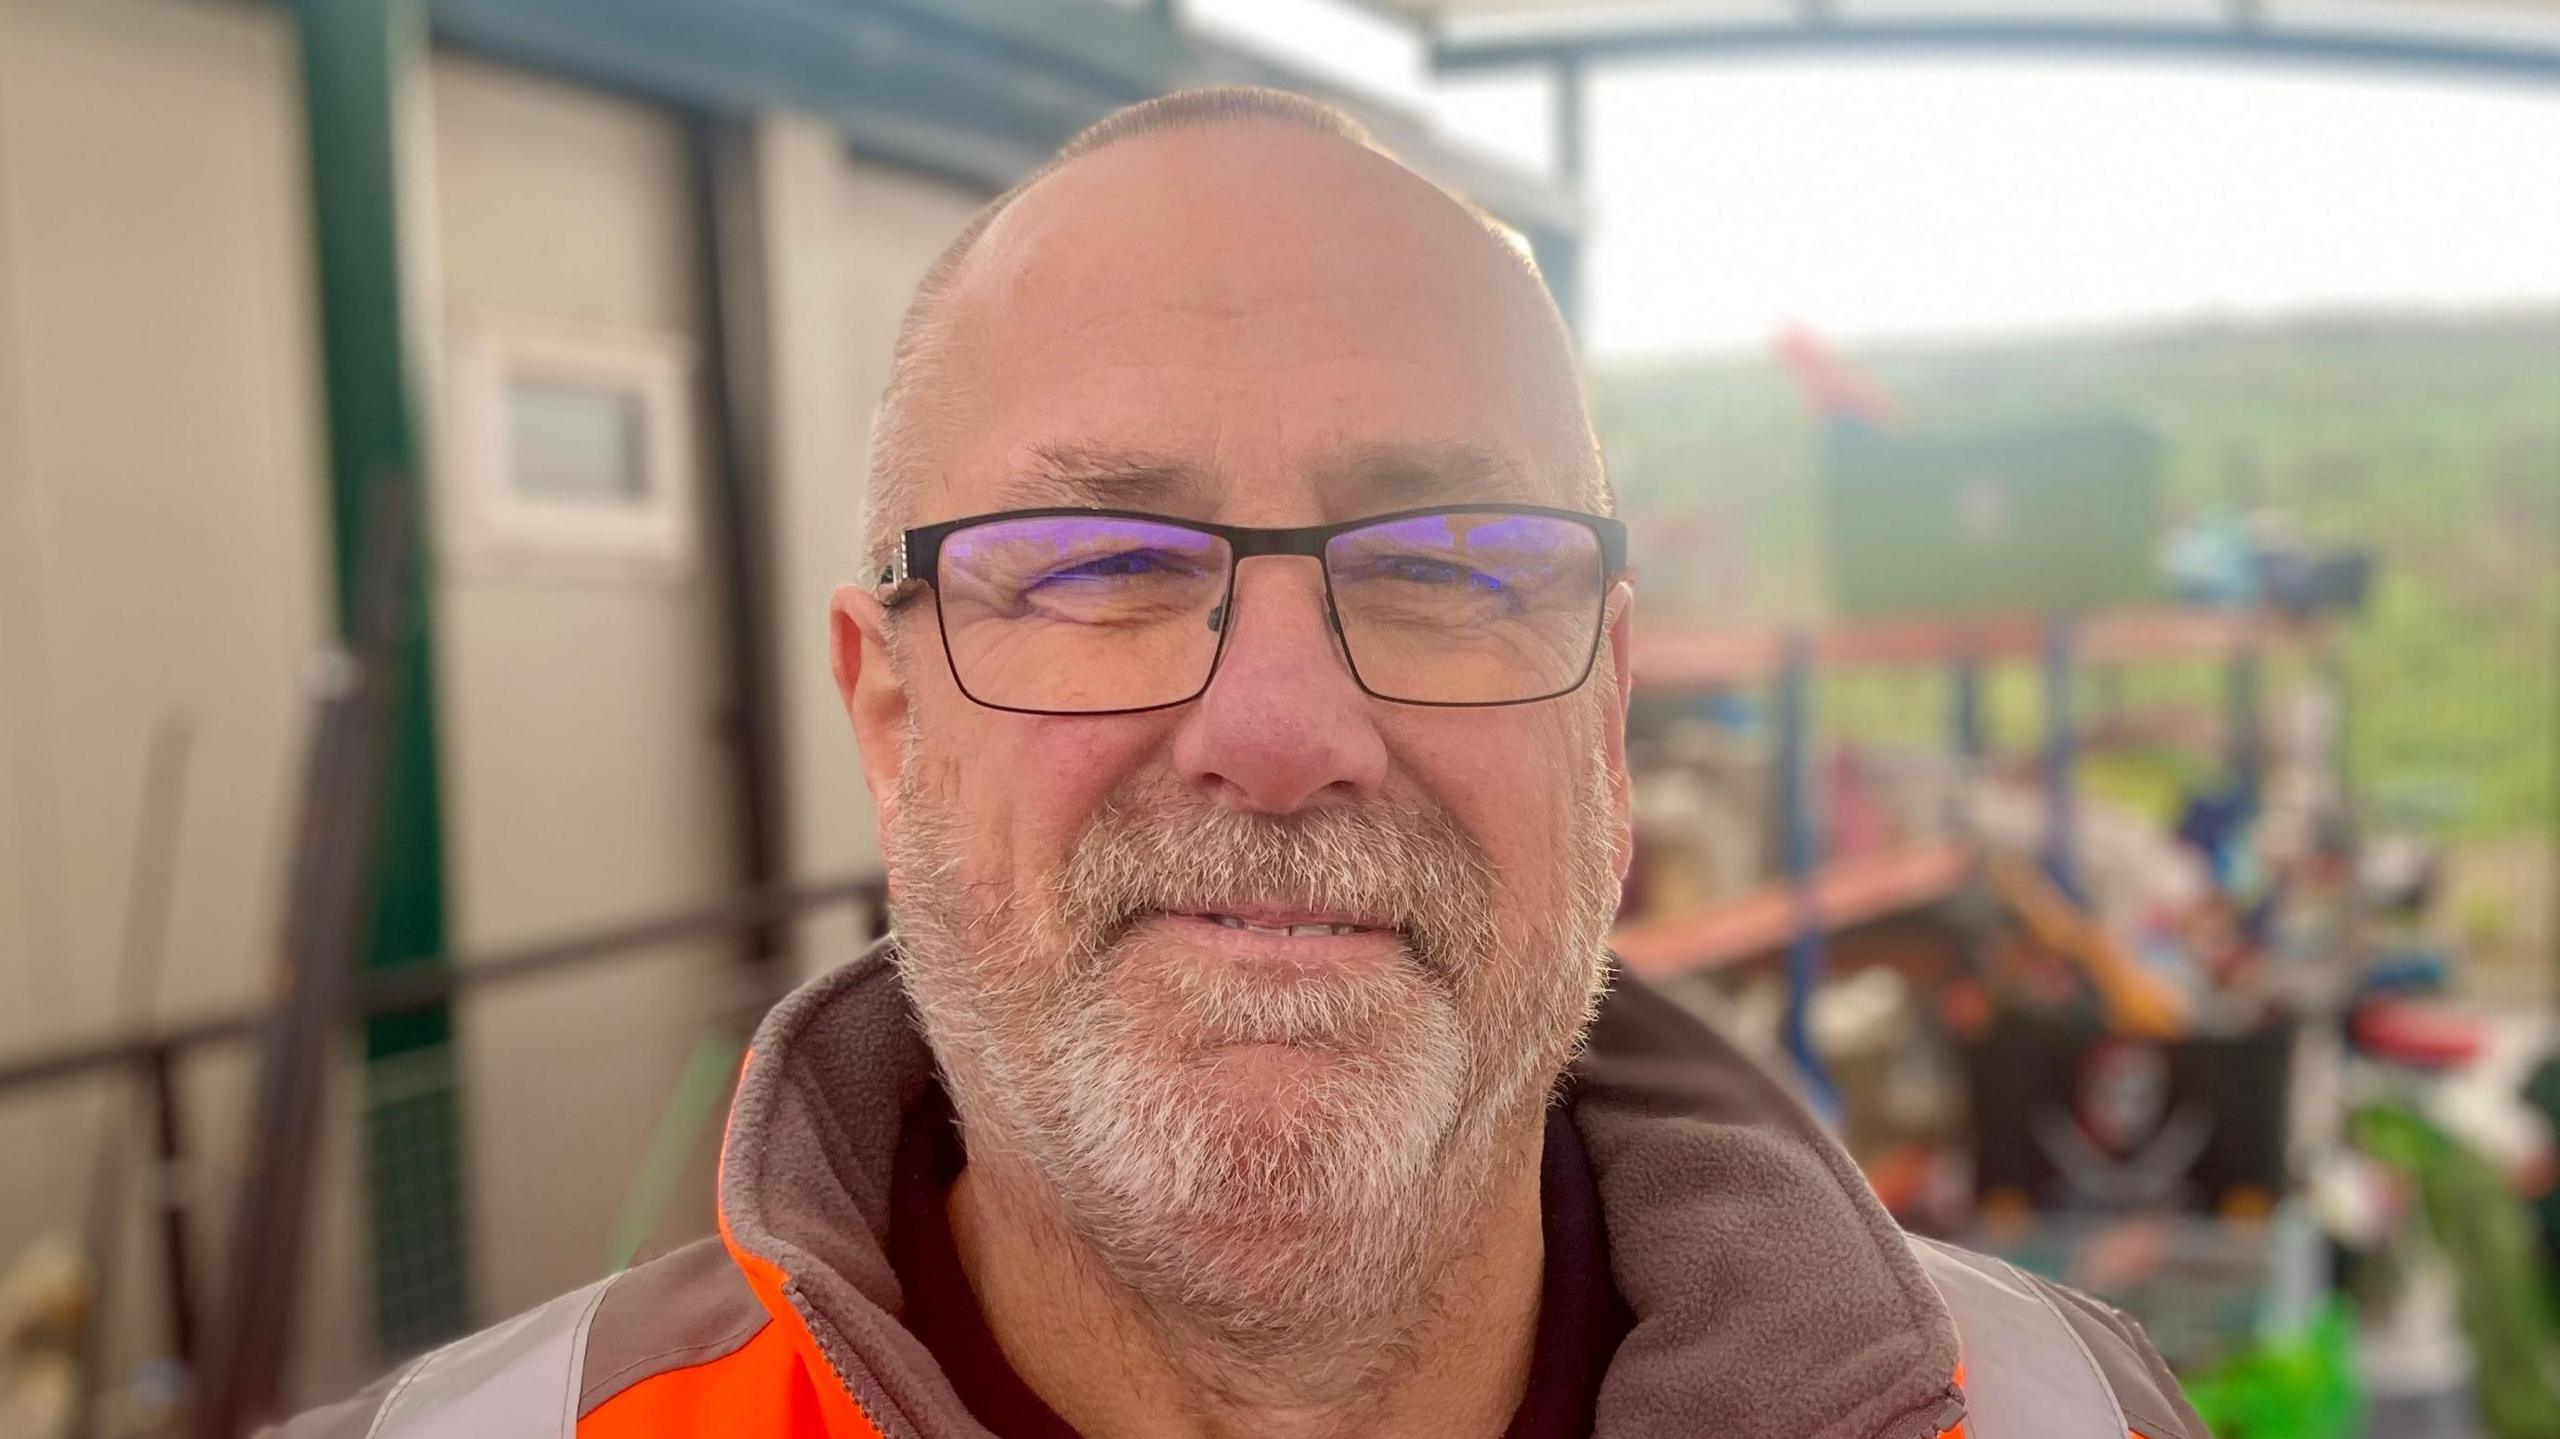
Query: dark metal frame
(358, 57)
(154, 1055)
(979, 91)
(2244, 34)
(2239, 38)
(919, 558)
(399, 991)
(738, 416)
(339, 855)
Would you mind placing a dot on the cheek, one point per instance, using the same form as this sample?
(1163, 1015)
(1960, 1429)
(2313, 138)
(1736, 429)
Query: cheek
(1513, 778)
(1030, 784)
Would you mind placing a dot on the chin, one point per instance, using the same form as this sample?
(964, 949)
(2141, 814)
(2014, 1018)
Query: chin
(1177, 995)
(1266, 1196)
(1269, 1087)
(1262, 1140)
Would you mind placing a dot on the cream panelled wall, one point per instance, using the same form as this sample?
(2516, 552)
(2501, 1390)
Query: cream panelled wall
(160, 497)
(162, 550)
(847, 241)
(587, 778)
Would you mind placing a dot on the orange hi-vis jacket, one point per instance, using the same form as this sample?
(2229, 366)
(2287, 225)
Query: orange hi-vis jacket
(1773, 1298)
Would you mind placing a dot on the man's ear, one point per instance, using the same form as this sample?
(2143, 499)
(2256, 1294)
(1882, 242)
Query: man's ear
(1618, 617)
(875, 696)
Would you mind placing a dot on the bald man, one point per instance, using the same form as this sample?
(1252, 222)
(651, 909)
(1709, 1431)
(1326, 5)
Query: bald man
(1238, 662)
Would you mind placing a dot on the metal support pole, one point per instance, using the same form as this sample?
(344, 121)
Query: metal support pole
(1560, 255)
(739, 420)
(336, 861)
(362, 63)
(1970, 743)
(1800, 842)
(2061, 758)
(171, 1191)
(1573, 142)
(1966, 678)
(2243, 726)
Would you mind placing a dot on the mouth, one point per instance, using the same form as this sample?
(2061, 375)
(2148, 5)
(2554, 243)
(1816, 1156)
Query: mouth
(1236, 978)
(1287, 924)
(1286, 936)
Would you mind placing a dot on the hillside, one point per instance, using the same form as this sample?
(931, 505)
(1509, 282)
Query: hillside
(2433, 441)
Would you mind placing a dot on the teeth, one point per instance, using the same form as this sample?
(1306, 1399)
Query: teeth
(1231, 922)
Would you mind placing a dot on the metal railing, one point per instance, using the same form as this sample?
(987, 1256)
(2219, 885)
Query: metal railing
(150, 1061)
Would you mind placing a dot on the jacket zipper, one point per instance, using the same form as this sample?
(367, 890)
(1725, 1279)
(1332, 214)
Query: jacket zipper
(1944, 1414)
(831, 1349)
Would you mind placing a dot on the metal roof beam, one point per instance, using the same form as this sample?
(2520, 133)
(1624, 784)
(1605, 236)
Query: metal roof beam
(980, 91)
(2252, 40)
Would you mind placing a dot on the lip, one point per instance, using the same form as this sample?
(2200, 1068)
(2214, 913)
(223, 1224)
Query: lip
(1267, 944)
(1273, 918)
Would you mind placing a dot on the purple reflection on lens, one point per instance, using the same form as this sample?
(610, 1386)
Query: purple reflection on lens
(1487, 552)
(1080, 613)
(1468, 606)
(1078, 538)
(1079, 562)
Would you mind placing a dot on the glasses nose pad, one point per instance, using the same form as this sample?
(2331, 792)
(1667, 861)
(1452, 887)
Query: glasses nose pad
(1218, 618)
(1341, 641)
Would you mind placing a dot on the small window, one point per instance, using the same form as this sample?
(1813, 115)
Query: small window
(581, 443)
(567, 453)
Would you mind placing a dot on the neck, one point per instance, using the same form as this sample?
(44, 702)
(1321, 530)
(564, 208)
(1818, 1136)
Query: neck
(1109, 1362)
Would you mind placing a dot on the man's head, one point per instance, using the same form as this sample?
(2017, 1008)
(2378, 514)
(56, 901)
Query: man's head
(1264, 987)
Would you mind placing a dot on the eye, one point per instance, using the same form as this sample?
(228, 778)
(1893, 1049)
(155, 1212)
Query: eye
(1124, 564)
(1423, 570)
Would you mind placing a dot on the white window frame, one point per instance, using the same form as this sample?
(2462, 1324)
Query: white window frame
(491, 526)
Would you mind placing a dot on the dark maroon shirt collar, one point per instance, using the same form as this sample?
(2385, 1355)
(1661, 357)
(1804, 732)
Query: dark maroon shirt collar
(1581, 1318)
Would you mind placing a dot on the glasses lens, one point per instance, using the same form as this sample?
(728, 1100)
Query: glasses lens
(1468, 606)
(1077, 614)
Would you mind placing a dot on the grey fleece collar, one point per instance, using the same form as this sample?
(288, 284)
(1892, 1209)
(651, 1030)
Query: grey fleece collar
(1774, 1298)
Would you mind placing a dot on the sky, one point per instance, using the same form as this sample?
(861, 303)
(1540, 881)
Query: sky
(1883, 199)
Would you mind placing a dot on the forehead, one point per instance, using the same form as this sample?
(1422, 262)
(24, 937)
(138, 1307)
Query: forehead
(1260, 313)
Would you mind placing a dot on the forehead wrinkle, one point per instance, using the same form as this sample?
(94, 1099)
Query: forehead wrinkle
(1103, 477)
(1400, 475)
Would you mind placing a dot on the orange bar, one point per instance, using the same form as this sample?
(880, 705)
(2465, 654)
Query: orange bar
(1845, 895)
(1675, 656)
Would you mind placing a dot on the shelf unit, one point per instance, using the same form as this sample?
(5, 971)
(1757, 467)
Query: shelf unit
(1815, 899)
(1682, 657)
(1845, 894)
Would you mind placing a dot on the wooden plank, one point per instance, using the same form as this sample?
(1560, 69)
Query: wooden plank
(1846, 894)
(1927, 641)
(1672, 656)
(1687, 657)
(2119, 638)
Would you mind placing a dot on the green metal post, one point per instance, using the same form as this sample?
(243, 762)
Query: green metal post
(358, 56)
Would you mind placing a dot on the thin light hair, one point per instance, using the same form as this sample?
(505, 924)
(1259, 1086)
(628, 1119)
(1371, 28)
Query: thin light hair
(907, 429)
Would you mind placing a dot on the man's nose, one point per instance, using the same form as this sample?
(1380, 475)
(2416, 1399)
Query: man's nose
(1283, 724)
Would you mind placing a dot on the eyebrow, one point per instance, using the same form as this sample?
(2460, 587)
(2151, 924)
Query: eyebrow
(1405, 475)
(1366, 478)
(1067, 474)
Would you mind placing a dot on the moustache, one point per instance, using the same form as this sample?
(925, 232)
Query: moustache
(1401, 865)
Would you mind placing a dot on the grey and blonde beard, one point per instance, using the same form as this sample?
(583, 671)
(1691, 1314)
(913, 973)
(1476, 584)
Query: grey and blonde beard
(1300, 1228)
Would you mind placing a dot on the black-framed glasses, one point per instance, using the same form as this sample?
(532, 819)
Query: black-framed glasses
(1091, 611)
